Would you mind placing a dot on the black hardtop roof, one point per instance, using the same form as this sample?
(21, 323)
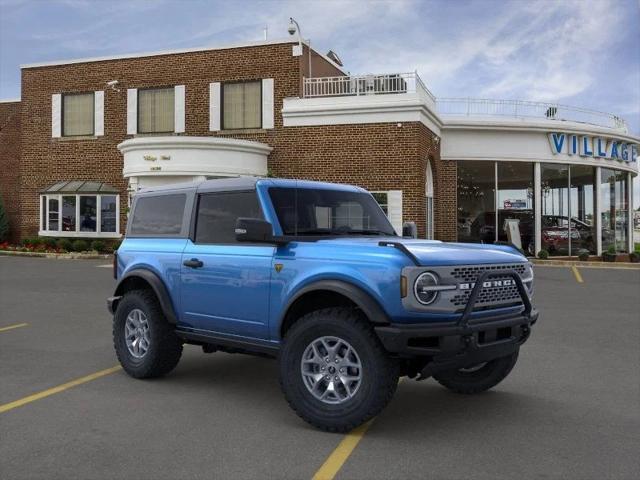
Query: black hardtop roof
(214, 185)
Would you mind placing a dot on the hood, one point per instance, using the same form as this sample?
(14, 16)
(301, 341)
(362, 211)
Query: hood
(434, 253)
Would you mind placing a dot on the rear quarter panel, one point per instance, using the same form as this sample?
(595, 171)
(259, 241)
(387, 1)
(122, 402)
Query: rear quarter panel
(160, 256)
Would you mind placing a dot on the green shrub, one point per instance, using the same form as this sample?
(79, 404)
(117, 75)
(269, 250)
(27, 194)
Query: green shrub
(65, 244)
(4, 223)
(80, 246)
(611, 250)
(583, 255)
(26, 241)
(543, 254)
(98, 246)
(115, 245)
(48, 242)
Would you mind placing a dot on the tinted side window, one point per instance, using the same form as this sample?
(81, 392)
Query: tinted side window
(218, 212)
(159, 215)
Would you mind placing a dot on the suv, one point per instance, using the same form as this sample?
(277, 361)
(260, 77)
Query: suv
(313, 274)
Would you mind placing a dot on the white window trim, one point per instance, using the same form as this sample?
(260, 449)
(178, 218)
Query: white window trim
(215, 112)
(179, 109)
(98, 113)
(132, 111)
(44, 226)
(56, 115)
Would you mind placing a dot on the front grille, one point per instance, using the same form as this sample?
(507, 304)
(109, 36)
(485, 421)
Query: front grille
(470, 273)
(488, 296)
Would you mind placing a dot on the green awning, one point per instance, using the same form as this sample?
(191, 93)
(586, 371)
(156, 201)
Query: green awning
(80, 186)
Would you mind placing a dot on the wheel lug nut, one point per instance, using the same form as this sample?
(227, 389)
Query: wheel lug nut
(322, 368)
(336, 377)
(327, 377)
(327, 360)
(342, 370)
(337, 361)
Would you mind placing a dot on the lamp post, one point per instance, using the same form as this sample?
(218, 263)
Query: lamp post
(293, 28)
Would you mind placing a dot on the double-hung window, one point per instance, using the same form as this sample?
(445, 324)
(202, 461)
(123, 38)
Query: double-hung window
(156, 112)
(242, 105)
(78, 114)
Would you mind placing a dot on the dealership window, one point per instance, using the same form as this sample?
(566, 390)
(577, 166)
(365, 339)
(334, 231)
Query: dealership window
(156, 112)
(79, 209)
(242, 105)
(476, 201)
(78, 114)
(516, 202)
(582, 205)
(383, 200)
(614, 209)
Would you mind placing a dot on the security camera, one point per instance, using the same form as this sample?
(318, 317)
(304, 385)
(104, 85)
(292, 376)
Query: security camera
(112, 85)
(292, 27)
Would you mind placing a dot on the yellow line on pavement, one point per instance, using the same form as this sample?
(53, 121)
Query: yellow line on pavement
(576, 273)
(11, 327)
(60, 388)
(339, 456)
(333, 464)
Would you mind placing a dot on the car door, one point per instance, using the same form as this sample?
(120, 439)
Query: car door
(225, 284)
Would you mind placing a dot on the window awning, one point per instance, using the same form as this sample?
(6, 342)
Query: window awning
(80, 186)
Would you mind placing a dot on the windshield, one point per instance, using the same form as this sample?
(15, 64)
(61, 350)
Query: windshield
(305, 211)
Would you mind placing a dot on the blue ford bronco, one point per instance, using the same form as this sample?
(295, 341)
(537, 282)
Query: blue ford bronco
(315, 275)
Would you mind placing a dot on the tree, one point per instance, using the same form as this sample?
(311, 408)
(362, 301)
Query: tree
(4, 223)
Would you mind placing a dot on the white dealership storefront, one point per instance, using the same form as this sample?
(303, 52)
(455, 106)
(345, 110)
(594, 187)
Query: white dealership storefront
(568, 184)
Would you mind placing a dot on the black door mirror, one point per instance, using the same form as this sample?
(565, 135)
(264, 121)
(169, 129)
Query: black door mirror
(409, 230)
(254, 230)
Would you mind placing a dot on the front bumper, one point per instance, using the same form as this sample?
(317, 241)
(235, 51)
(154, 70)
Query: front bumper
(466, 342)
(486, 336)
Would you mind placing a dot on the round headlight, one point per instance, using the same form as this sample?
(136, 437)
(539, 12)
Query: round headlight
(423, 288)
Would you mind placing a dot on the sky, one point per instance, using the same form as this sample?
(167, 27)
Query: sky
(577, 52)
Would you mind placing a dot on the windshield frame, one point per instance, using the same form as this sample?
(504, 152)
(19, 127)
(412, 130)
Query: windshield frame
(381, 226)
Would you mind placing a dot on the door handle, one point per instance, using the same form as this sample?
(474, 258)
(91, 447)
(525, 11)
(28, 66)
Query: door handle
(193, 263)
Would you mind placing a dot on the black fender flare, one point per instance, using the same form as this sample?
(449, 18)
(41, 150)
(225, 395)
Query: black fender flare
(363, 300)
(158, 287)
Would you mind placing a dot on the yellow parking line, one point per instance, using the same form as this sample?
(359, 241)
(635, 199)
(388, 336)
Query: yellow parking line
(11, 327)
(60, 388)
(333, 464)
(339, 456)
(576, 274)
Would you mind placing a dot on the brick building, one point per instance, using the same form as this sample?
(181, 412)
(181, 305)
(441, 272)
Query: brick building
(87, 134)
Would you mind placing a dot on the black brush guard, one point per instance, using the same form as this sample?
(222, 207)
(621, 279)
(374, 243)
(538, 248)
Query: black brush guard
(468, 341)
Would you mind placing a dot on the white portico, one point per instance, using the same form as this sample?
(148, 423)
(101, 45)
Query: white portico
(159, 160)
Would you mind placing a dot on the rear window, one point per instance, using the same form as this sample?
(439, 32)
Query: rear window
(159, 215)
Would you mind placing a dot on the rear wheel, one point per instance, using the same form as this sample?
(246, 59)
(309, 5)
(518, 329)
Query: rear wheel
(478, 378)
(145, 343)
(333, 370)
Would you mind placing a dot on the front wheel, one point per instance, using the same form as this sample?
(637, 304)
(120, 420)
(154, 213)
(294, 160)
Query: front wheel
(333, 370)
(478, 378)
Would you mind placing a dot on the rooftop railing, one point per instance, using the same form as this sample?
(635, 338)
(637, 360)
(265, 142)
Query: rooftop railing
(525, 109)
(356, 85)
(399, 83)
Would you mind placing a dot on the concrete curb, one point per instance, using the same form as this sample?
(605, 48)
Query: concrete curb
(576, 263)
(59, 256)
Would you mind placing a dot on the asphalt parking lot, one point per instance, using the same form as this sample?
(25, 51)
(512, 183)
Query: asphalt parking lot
(570, 408)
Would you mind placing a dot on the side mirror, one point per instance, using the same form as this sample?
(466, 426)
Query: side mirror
(409, 230)
(254, 230)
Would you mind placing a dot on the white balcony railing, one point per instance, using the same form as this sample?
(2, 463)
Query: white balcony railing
(526, 109)
(356, 85)
(399, 83)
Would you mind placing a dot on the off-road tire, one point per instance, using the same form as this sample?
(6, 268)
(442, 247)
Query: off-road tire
(380, 373)
(165, 347)
(487, 377)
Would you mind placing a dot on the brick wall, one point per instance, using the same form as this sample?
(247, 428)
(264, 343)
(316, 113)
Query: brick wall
(10, 162)
(375, 156)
